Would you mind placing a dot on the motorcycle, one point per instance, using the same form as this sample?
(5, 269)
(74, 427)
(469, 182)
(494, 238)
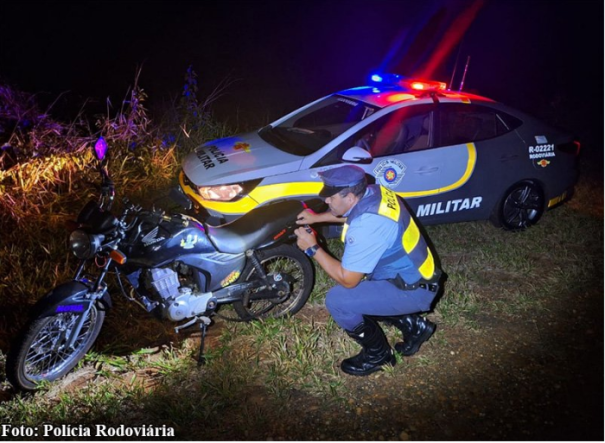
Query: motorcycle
(178, 268)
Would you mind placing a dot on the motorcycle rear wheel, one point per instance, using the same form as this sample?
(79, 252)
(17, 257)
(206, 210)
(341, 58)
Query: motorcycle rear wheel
(289, 261)
(41, 354)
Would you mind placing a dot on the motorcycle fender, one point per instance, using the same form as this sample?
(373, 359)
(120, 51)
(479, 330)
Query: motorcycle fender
(67, 297)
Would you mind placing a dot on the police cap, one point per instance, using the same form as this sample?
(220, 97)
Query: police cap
(337, 179)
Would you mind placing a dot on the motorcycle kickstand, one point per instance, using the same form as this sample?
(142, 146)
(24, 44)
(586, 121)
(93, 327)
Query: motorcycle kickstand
(204, 322)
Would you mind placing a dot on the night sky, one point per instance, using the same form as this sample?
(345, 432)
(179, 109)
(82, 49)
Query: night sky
(285, 54)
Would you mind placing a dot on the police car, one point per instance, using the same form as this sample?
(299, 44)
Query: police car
(452, 156)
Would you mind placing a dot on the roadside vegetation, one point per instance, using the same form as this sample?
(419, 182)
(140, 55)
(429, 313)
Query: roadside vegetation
(277, 379)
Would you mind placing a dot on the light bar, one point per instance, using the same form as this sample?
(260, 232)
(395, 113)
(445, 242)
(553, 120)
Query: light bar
(385, 78)
(412, 83)
(424, 85)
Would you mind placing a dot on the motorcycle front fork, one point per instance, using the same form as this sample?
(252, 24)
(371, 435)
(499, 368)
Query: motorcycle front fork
(89, 301)
(98, 288)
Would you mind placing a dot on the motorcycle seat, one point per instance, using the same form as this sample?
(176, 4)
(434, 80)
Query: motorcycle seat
(256, 228)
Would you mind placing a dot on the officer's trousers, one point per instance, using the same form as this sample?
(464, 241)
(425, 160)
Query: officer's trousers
(374, 297)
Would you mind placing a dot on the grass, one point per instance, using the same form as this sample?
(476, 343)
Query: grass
(256, 373)
(284, 360)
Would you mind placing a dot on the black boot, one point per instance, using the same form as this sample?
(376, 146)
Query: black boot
(376, 351)
(415, 329)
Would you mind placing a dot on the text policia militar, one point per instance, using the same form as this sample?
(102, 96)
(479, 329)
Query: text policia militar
(49, 430)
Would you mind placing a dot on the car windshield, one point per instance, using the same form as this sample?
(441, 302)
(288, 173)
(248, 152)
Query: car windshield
(310, 129)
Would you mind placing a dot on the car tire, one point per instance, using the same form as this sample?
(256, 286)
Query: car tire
(520, 207)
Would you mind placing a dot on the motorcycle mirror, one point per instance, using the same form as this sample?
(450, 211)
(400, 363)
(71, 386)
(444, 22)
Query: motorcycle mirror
(101, 148)
(178, 197)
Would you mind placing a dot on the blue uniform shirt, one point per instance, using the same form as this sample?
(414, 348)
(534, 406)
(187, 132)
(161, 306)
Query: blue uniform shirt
(368, 237)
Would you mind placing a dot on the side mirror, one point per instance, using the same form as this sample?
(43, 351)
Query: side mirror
(101, 148)
(357, 155)
(107, 188)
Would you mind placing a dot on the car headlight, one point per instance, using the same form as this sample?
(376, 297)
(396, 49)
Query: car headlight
(84, 245)
(220, 193)
(230, 192)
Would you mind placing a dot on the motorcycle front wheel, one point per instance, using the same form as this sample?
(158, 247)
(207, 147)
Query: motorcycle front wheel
(41, 352)
(297, 273)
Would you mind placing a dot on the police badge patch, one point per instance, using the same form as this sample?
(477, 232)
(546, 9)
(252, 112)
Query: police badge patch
(389, 172)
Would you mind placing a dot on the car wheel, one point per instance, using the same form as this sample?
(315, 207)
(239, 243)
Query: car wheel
(520, 207)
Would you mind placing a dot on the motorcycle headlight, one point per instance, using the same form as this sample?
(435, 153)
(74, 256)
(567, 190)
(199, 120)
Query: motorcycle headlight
(220, 193)
(84, 245)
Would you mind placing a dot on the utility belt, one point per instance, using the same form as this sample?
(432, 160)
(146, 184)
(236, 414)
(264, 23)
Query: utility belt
(430, 285)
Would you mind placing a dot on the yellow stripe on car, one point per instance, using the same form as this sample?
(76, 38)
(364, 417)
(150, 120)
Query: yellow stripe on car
(470, 166)
(266, 193)
(258, 196)
(553, 201)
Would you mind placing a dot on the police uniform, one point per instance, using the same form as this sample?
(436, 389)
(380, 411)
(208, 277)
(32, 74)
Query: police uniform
(382, 240)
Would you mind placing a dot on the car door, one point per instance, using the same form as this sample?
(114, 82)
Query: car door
(408, 159)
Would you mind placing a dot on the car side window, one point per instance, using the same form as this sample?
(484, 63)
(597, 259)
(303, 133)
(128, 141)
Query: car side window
(462, 123)
(335, 155)
(506, 123)
(340, 112)
(404, 130)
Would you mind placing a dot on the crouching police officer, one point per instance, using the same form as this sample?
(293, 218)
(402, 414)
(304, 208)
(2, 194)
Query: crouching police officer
(382, 243)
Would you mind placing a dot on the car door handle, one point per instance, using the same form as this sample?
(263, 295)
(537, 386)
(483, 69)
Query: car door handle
(427, 170)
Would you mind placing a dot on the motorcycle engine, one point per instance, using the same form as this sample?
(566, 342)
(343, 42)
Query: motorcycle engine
(178, 302)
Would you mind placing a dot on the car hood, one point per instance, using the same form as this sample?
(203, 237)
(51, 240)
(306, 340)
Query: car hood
(237, 159)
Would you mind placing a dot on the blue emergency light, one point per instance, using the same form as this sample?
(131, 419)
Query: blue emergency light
(386, 78)
(411, 83)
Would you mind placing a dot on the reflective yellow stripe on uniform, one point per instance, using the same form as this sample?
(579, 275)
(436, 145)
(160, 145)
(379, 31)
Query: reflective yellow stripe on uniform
(409, 240)
(427, 269)
(389, 206)
(410, 237)
(344, 232)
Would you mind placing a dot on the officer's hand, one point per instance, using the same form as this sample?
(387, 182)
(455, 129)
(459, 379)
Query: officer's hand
(306, 237)
(307, 217)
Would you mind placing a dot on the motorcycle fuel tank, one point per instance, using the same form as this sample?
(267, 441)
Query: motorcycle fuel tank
(155, 244)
